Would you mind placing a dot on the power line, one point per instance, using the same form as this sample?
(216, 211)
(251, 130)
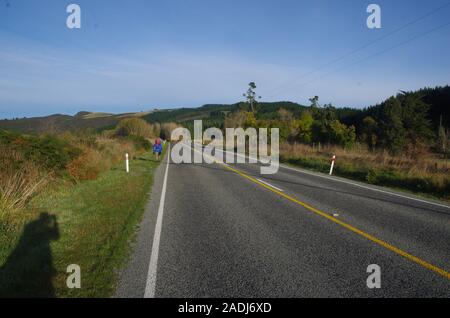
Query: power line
(379, 53)
(340, 58)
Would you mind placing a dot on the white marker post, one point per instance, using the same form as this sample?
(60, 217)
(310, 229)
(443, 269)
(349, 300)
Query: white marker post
(127, 164)
(332, 164)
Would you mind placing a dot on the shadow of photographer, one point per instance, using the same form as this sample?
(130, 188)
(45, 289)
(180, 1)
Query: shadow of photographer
(28, 271)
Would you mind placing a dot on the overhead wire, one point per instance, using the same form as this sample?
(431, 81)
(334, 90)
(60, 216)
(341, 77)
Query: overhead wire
(294, 81)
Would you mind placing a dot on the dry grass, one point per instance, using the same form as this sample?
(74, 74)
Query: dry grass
(88, 165)
(422, 165)
(98, 155)
(424, 173)
(19, 180)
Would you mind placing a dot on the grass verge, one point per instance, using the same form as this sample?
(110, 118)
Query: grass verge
(90, 224)
(398, 180)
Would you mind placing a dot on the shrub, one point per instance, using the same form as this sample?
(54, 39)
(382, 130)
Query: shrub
(156, 129)
(134, 127)
(101, 154)
(88, 165)
(166, 130)
(140, 142)
(28, 162)
(342, 135)
(48, 152)
(19, 180)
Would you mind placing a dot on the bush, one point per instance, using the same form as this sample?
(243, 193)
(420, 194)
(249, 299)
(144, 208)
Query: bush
(134, 127)
(87, 166)
(140, 143)
(166, 130)
(342, 135)
(28, 162)
(102, 154)
(48, 152)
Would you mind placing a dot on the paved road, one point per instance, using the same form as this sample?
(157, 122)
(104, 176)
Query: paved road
(225, 233)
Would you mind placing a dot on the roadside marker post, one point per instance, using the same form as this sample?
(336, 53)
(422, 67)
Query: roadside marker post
(332, 164)
(127, 163)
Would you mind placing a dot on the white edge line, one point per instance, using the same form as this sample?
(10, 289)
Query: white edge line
(151, 276)
(365, 187)
(354, 184)
(268, 184)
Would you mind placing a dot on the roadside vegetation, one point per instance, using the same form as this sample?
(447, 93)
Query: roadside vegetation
(426, 174)
(402, 143)
(66, 199)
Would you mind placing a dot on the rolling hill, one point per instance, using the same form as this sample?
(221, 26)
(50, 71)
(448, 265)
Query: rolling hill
(59, 123)
(213, 115)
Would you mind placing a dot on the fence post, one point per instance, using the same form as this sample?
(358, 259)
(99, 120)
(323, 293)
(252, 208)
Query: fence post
(127, 164)
(332, 164)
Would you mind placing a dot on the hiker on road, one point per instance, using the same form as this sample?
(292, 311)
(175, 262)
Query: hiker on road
(157, 148)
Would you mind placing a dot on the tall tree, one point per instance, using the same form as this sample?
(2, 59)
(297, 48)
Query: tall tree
(250, 95)
(415, 119)
(304, 127)
(370, 129)
(314, 102)
(341, 134)
(442, 137)
(285, 115)
(392, 132)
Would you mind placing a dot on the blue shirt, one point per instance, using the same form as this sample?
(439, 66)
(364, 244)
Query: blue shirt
(157, 148)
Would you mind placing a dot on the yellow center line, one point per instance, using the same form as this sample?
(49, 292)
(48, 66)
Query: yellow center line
(382, 243)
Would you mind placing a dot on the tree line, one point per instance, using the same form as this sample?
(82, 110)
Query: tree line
(409, 122)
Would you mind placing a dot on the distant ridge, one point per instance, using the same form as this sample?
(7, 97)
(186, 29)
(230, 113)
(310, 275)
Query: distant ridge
(213, 115)
(57, 123)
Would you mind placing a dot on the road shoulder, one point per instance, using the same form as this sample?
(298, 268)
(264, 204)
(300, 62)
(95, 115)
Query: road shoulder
(133, 278)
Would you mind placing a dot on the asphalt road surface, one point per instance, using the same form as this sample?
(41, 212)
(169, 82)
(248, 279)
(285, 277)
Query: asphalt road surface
(228, 231)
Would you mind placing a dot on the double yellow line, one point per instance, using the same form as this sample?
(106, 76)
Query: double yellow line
(382, 243)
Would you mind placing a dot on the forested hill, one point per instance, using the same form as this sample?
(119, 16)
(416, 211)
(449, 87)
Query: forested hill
(437, 99)
(213, 115)
(409, 119)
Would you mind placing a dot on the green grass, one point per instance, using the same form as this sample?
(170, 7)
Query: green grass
(90, 224)
(426, 187)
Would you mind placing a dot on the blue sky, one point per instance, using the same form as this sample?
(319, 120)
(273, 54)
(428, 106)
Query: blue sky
(140, 54)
